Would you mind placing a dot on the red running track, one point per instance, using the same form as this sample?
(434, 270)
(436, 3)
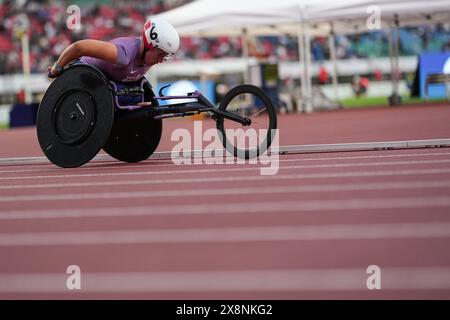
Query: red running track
(156, 230)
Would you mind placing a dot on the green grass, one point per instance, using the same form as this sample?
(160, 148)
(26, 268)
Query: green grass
(4, 126)
(361, 102)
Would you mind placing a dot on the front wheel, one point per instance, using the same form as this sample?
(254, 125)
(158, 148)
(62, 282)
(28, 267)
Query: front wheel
(251, 141)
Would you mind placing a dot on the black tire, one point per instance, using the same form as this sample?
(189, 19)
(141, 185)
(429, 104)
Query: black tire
(75, 116)
(134, 139)
(267, 110)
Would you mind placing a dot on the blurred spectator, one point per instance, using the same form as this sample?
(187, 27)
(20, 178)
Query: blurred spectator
(360, 85)
(20, 98)
(378, 75)
(318, 48)
(323, 75)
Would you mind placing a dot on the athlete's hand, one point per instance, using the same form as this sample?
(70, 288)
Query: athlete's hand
(49, 73)
(54, 71)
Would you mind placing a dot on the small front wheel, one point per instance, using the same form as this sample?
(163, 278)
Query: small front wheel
(252, 103)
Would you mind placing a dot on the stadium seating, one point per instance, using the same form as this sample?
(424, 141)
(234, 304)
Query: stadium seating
(107, 19)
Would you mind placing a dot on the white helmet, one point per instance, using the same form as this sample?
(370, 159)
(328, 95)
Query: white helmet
(158, 33)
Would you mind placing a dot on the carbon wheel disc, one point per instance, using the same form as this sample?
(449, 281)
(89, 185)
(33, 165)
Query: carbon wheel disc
(75, 116)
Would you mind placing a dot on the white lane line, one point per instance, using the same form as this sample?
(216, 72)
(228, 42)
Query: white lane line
(278, 177)
(339, 279)
(240, 169)
(360, 205)
(153, 163)
(355, 187)
(364, 146)
(290, 149)
(238, 234)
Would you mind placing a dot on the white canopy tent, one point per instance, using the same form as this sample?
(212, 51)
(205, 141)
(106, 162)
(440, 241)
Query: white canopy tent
(209, 18)
(300, 17)
(262, 17)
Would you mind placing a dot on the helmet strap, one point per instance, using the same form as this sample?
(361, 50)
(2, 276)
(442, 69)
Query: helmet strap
(143, 54)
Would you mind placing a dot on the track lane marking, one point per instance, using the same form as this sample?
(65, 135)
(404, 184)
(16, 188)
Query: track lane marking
(361, 205)
(356, 187)
(350, 174)
(214, 170)
(236, 234)
(155, 164)
(340, 279)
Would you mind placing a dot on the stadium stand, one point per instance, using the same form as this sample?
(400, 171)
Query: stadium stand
(107, 19)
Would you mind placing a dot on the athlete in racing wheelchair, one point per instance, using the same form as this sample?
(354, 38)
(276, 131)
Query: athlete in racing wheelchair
(101, 99)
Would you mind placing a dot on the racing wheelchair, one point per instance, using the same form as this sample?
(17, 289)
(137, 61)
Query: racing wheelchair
(83, 111)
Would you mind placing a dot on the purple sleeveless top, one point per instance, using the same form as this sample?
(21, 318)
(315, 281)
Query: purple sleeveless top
(127, 68)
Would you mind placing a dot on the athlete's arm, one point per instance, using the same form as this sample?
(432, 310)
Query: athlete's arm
(90, 48)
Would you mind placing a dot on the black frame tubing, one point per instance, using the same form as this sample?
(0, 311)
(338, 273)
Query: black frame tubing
(184, 109)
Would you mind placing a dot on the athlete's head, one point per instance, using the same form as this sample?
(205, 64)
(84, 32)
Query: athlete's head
(161, 41)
